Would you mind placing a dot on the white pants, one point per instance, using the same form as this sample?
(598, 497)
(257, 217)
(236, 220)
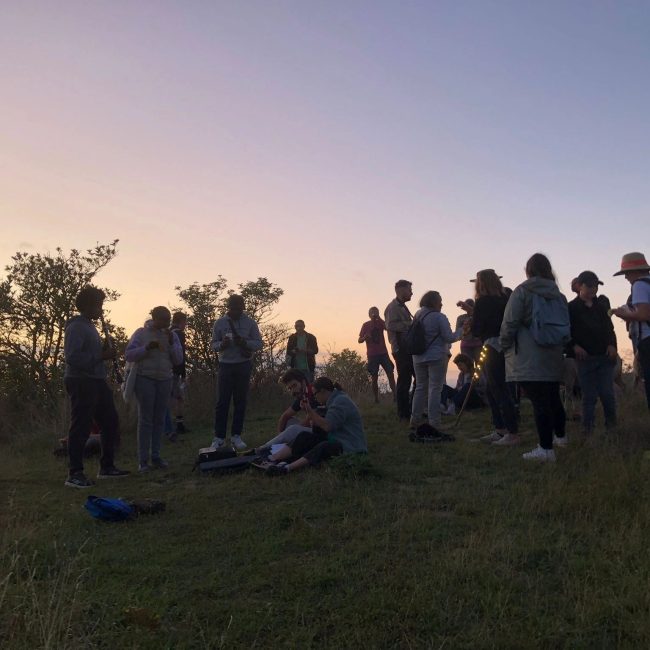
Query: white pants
(429, 378)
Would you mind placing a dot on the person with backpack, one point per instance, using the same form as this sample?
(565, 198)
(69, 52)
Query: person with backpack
(430, 357)
(398, 318)
(593, 345)
(154, 350)
(91, 398)
(487, 316)
(636, 313)
(235, 337)
(534, 332)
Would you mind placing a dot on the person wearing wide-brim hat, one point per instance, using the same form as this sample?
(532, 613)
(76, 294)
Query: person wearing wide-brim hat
(636, 313)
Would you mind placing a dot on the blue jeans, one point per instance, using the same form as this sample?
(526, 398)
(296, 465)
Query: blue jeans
(596, 375)
(153, 400)
(429, 378)
(233, 385)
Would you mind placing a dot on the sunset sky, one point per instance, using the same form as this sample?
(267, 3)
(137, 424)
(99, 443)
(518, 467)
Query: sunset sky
(333, 147)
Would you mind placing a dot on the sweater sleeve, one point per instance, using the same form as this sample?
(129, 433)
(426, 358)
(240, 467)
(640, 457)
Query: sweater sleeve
(513, 318)
(254, 338)
(135, 350)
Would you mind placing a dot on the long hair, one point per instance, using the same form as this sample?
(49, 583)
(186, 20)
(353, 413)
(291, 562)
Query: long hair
(430, 299)
(488, 283)
(539, 266)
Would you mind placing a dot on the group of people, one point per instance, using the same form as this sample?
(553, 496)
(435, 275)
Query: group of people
(518, 340)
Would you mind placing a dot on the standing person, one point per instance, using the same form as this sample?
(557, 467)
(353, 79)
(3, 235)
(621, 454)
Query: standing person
(179, 323)
(235, 337)
(636, 313)
(534, 331)
(91, 398)
(398, 319)
(431, 365)
(154, 350)
(470, 345)
(593, 345)
(302, 348)
(487, 315)
(372, 334)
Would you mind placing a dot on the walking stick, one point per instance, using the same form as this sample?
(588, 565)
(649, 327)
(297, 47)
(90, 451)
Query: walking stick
(476, 375)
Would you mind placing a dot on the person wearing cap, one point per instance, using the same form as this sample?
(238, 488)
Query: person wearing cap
(593, 345)
(398, 319)
(636, 313)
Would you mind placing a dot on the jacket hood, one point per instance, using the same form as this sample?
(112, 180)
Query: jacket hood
(542, 286)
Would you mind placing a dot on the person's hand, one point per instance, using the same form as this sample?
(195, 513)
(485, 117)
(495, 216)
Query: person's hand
(612, 352)
(465, 307)
(152, 345)
(225, 344)
(581, 353)
(109, 353)
(241, 342)
(171, 338)
(306, 406)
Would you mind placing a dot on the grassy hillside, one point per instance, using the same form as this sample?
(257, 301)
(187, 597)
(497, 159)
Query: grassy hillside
(458, 545)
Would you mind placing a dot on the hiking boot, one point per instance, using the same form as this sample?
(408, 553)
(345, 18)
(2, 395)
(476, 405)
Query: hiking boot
(277, 470)
(494, 436)
(112, 472)
(159, 463)
(143, 468)
(508, 440)
(217, 443)
(180, 428)
(238, 443)
(540, 454)
(172, 437)
(78, 480)
(560, 442)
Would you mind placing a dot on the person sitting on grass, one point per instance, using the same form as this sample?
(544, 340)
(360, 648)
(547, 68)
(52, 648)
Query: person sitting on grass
(340, 431)
(452, 398)
(289, 424)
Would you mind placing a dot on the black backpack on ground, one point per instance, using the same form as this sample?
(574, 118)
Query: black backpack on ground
(221, 460)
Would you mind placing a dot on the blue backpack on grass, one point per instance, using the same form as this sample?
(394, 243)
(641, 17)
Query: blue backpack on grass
(109, 509)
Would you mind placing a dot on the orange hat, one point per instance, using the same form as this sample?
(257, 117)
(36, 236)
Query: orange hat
(633, 262)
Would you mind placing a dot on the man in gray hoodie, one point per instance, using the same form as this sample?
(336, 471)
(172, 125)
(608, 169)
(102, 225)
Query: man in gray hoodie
(90, 395)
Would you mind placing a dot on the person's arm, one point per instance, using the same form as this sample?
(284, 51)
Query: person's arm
(641, 312)
(218, 342)
(513, 318)
(394, 320)
(318, 420)
(362, 335)
(445, 333)
(175, 350)
(136, 350)
(285, 417)
(291, 349)
(253, 341)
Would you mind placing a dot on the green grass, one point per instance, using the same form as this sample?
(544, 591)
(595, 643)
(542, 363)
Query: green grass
(457, 545)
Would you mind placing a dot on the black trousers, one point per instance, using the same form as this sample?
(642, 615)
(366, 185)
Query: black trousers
(643, 351)
(548, 409)
(315, 447)
(91, 399)
(504, 413)
(234, 379)
(405, 374)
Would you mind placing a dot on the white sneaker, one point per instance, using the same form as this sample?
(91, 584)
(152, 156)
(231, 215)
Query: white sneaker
(238, 443)
(508, 440)
(217, 442)
(491, 437)
(543, 455)
(560, 442)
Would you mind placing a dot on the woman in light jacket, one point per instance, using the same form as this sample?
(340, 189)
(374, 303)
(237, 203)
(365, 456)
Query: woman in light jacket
(431, 366)
(538, 369)
(154, 350)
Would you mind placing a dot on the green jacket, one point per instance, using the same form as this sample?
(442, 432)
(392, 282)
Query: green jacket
(525, 360)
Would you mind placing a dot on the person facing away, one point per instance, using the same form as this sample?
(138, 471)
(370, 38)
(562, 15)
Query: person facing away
(302, 348)
(153, 350)
(398, 319)
(289, 424)
(235, 337)
(339, 431)
(91, 398)
(538, 369)
(431, 365)
(593, 345)
(372, 334)
(470, 345)
(636, 313)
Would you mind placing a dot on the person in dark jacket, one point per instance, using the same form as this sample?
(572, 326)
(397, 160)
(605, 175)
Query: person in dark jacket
(302, 348)
(91, 398)
(593, 344)
(487, 315)
(538, 369)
